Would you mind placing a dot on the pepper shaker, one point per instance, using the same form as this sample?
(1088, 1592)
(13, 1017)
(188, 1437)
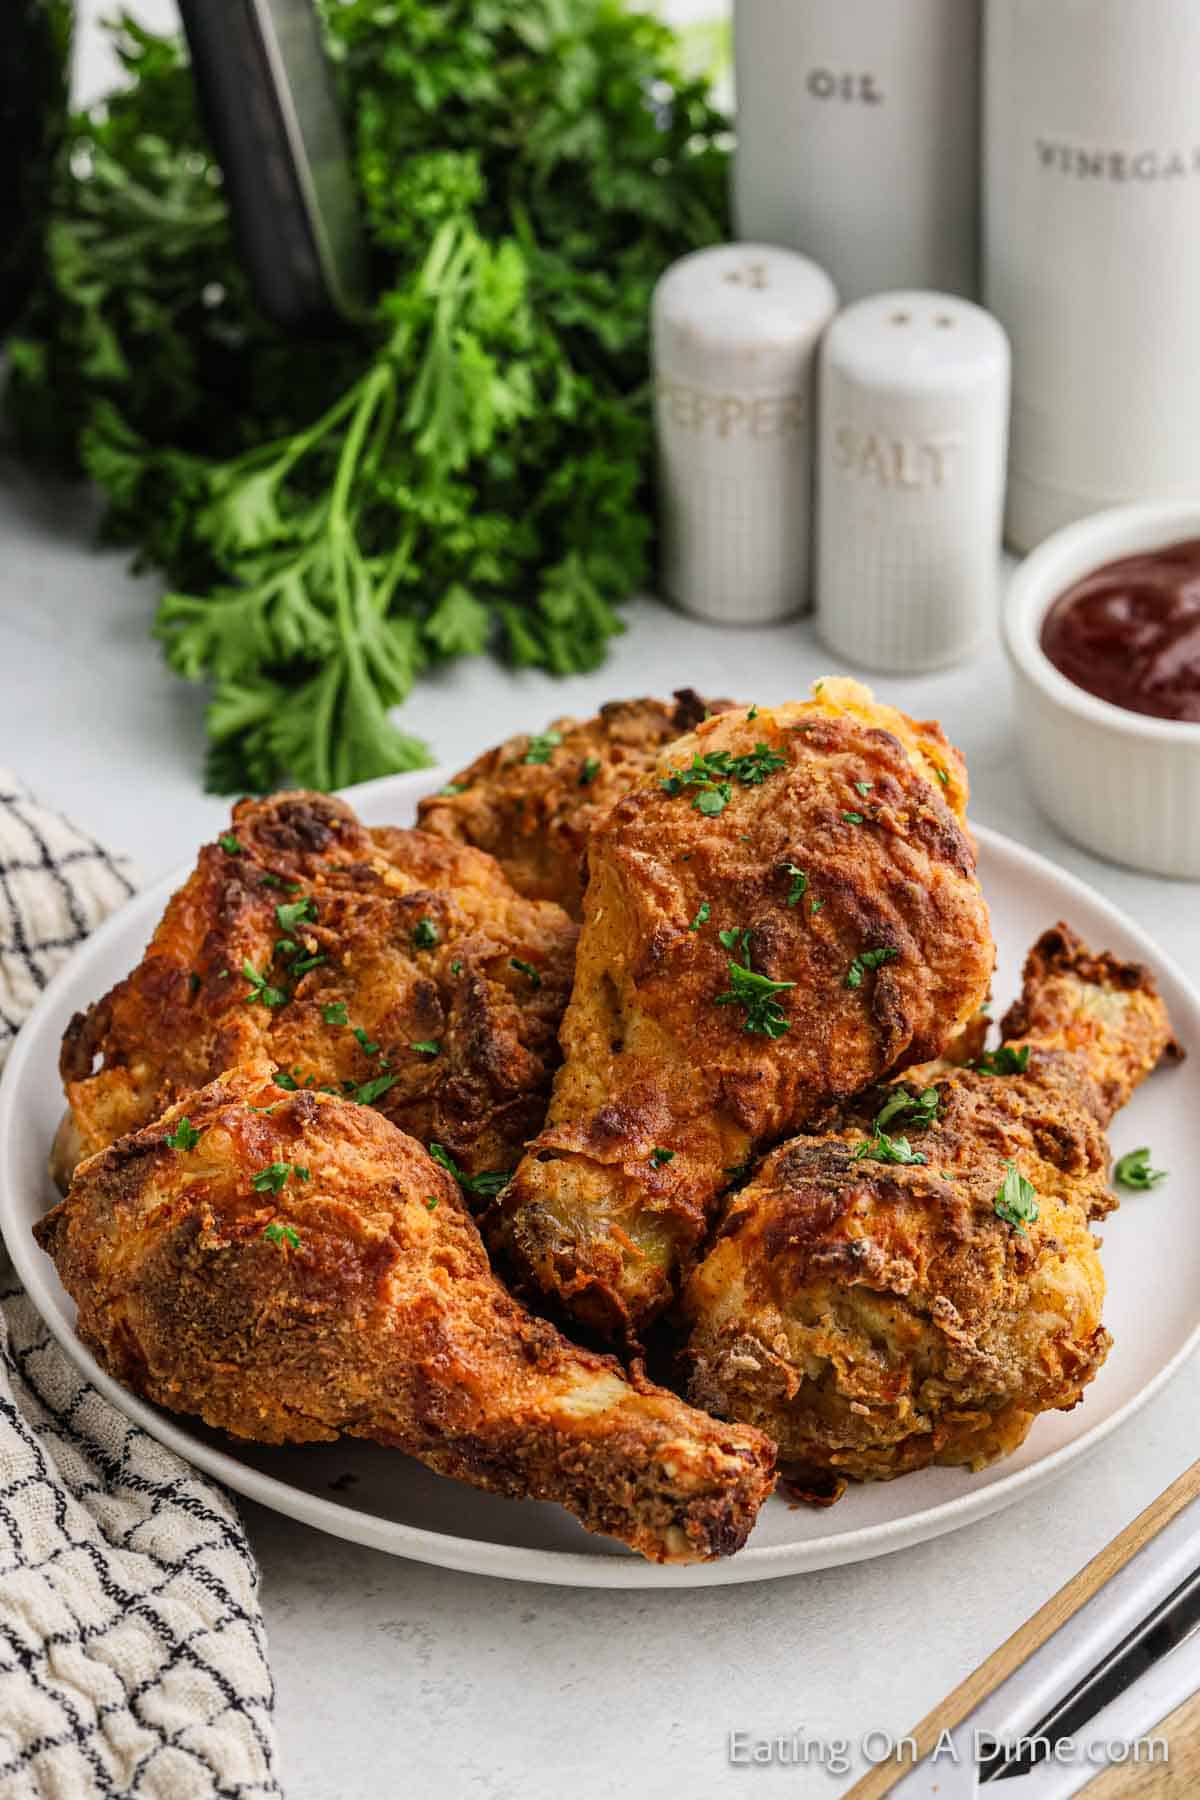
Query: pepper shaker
(735, 332)
(914, 426)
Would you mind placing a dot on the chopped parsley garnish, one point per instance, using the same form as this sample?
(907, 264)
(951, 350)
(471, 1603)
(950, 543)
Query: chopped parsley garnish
(456, 968)
(526, 969)
(868, 959)
(431, 1204)
(542, 746)
(738, 1171)
(275, 1233)
(367, 1092)
(287, 1082)
(915, 1109)
(304, 963)
(752, 714)
(755, 992)
(368, 1048)
(268, 879)
(425, 934)
(335, 1013)
(715, 773)
(291, 913)
(1016, 1200)
(658, 1157)
(427, 1046)
(942, 777)
(193, 982)
(853, 818)
(229, 844)
(1132, 1171)
(885, 1149)
(185, 1136)
(486, 1185)
(1004, 1061)
(799, 885)
(261, 989)
(286, 947)
(703, 915)
(271, 1179)
(589, 771)
(816, 907)
(452, 787)
(864, 787)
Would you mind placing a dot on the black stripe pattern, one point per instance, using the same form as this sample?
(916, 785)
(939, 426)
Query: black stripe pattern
(133, 1657)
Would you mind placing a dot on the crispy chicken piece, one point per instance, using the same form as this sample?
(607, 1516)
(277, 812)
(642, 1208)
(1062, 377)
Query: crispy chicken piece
(878, 1315)
(532, 801)
(388, 964)
(776, 923)
(291, 1267)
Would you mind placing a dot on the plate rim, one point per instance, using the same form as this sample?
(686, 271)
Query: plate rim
(520, 1562)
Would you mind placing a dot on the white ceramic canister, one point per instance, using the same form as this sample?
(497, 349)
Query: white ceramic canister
(910, 480)
(858, 137)
(1092, 250)
(735, 331)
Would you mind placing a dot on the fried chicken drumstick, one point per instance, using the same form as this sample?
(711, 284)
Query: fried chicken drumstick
(290, 1266)
(784, 910)
(389, 965)
(532, 801)
(916, 1284)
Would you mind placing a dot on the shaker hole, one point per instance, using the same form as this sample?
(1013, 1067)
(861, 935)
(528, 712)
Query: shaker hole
(901, 318)
(944, 321)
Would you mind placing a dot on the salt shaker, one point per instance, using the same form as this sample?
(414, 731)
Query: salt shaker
(914, 422)
(858, 137)
(735, 330)
(1092, 250)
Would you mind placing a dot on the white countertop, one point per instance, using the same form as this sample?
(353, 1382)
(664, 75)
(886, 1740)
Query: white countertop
(394, 1678)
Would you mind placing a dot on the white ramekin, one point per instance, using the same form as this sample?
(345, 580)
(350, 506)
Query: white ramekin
(1120, 783)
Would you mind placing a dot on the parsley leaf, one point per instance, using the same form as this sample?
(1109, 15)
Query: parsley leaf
(366, 1093)
(230, 844)
(1007, 1060)
(542, 747)
(755, 992)
(703, 915)
(427, 1046)
(1016, 1201)
(868, 959)
(185, 1136)
(368, 1048)
(589, 771)
(853, 818)
(864, 787)
(282, 1234)
(917, 1109)
(291, 913)
(1132, 1170)
(527, 969)
(799, 885)
(715, 773)
(261, 989)
(271, 1179)
(335, 1013)
(425, 934)
(885, 1149)
(659, 1157)
(485, 1185)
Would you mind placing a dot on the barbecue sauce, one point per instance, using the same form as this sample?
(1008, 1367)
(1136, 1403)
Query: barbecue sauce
(1130, 632)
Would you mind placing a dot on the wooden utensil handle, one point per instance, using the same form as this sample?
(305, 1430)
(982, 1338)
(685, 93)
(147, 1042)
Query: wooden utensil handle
(1033, 1634)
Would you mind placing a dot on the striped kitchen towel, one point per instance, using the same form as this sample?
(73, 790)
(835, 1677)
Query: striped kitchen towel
(132, 1649)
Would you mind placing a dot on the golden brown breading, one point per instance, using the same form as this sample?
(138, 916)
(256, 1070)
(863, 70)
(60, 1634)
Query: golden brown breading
(301, 1269)
(532, 803)
(376, 942)
(877, 1318)
(669, 1079)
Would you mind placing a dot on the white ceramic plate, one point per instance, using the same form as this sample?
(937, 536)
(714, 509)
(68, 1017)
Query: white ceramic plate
(377, 1497)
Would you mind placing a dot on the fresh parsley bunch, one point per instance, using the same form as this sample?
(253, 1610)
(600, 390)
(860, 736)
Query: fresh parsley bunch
(468, 469)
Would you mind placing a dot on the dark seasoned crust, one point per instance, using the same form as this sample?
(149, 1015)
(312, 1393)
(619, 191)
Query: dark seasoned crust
(415, 939)
(877, 1317)
(357, 1298)
(655, 1059)
(535, 817)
